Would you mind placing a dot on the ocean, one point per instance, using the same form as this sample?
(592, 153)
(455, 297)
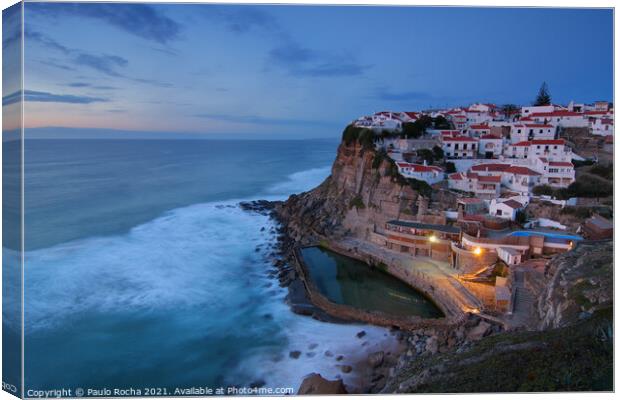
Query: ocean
(141, 271)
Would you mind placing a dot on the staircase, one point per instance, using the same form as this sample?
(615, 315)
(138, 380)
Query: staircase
(523, 306)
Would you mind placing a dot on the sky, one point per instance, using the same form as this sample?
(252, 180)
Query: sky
(295, 71)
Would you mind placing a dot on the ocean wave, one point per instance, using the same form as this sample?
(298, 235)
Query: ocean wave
(301, 181)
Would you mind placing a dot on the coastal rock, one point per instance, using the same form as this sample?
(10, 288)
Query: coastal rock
(294, 354)
(315, 384)
(346, 368)
(361, 334)
(479, 331)
(376, 359)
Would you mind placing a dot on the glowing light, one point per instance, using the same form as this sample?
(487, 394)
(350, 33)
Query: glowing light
(477, 251)
(432, 238)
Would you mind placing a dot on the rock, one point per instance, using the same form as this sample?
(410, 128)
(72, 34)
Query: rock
(376, 359)
(361, 334)
(311, 354)
(294, 354)
(479, 331)
(315, 384)
(328, 354)
(432, 345)
(346, 368)
(313, 346)
(340, 358)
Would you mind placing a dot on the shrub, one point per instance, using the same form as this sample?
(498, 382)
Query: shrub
(357, 202)
(604, 171)
(579, 212)
(438, 153)
(542, 190)
(450, 167)
(380, 155)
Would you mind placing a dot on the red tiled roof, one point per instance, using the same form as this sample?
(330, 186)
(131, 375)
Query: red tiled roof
(513, 204)
(488, 137)
(480, 126)
(459, 139)
(490, 167)
(469, 200)
(411, 114)
(419, 167)
(489, 178)
(560, 164)
(539, 126)
(549, 141)
(456, 176)
(521, 171)
(526, 143)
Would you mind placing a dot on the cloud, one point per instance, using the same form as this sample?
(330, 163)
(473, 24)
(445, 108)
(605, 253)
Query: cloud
(46, 97)
(257, 120)
(388, 95)
(91, 86)
(241, 19)
(141, 20)
(300, 61)
(105, 63)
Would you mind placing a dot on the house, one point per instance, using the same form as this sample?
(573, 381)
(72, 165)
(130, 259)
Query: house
(602, 126)
(482, 186)
(552, 149)
(471, 205)
(520, 179)
(509, 255)
(601, 105)
(598, 228)
(428, 173)
(523, 132)
(490, 146)
(528, 110)
(460, 147)
(478, 130)
(555, 173)
(561, 118)
(505, 209)
(503, 294)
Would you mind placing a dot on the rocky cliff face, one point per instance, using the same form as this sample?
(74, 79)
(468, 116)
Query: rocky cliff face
(581, 283)
(357, 196)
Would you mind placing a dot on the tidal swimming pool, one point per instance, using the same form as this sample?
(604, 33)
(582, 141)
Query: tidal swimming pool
(344, 280)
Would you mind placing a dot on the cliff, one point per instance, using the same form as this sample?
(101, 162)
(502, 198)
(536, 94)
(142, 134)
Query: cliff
(362, 192)
(580, 284)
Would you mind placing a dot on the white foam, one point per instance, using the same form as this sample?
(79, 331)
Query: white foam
(202, 256)
(301, 181)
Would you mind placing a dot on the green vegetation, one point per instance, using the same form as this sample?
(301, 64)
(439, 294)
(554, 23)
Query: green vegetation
(357, 202)
(426, 155)
(440, 122)
(450, 167)
(438, 153)
(574, 358)
(521, 217)
(380, 155)
(586, 185)
(365, 137)
(604, 171)
(509, 110)
(413, 130)
(324, 244)
(543, 98)
(579, 212)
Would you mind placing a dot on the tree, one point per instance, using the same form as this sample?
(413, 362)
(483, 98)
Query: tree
(437, 152)
(426, 155)
(450, 167)
(412, 130)
(542, 190)
(521, 217)
(441, 122)
(543, 98)
(509, 110)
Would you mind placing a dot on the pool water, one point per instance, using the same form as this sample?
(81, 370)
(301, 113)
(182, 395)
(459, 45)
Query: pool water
(551, 235)
(344, 280)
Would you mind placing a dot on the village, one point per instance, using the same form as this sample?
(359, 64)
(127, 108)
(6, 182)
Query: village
(530, 182)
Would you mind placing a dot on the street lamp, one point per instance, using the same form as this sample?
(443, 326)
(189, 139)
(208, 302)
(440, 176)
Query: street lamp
(477, 251)
(432, 238)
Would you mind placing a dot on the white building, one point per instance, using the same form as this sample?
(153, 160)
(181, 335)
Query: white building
(490, 146)
(555, 173)
(428, 173)
(477, 130)
(483, 186)
(460, 147)
(521, 132)
(520, 179)
(602, 126)
(528, 110)
(552, 149)
(506, 209)
(561, 118)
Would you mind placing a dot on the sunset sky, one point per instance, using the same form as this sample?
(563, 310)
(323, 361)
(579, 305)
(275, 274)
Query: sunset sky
(297, 71)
